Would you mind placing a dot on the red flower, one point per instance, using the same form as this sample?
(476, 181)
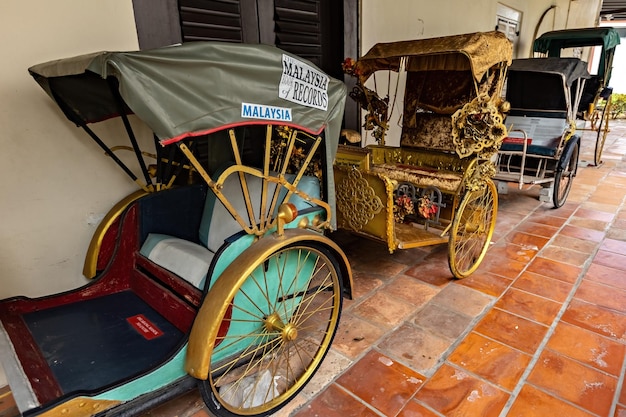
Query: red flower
(427, 208)
(349, 66)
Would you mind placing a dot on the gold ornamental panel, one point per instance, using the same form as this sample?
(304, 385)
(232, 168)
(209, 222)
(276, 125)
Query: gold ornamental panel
(357, 201)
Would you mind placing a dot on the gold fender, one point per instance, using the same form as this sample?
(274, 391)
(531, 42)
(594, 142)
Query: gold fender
(91, 258)
(208, 321)
(80, 407)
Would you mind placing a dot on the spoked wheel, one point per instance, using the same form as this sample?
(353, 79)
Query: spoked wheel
(603, 130)
(275, 332)
(472, 228)
(564, 177)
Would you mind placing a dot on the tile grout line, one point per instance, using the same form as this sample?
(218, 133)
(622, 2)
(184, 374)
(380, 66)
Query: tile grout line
(618, 390)
(488, 308)
(620, 380)
(540, 349)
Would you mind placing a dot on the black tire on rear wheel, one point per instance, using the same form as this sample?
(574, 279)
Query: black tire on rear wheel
(564, 177)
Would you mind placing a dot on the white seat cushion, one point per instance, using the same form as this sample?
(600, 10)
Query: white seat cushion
(186, 259)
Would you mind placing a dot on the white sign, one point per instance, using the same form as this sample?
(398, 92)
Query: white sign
(261, 111)
(303, 84)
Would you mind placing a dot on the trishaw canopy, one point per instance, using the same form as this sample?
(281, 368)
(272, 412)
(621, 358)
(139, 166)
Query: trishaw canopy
(197, 88)
(546, 83)
(477, 52)
(552, 42)
(568, 69)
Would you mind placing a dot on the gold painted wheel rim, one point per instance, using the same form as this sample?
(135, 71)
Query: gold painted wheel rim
(292, 301)
(472, 228)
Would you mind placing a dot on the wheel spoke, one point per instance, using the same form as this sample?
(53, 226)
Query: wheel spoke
(278, 331)
(471, 231)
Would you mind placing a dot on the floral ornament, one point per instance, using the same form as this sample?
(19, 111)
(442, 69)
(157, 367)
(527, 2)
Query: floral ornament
(478, 128)
(377, 108)
(349, 67)
(298, 156)
(284, 131)
(426, 207)
(479, 176)
(403, 206)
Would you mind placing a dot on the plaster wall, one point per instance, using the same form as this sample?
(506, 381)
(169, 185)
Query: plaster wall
(56, 183)
(383, 21)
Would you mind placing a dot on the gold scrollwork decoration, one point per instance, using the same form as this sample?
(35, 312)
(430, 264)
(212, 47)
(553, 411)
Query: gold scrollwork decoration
(480, 175)
(478, 127)
(357, 201)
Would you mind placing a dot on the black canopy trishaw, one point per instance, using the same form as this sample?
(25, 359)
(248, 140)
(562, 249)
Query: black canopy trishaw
(542, 147)
(595, 104)
(218, 271)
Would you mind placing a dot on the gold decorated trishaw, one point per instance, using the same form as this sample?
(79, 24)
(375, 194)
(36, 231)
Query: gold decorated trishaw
(441, 98)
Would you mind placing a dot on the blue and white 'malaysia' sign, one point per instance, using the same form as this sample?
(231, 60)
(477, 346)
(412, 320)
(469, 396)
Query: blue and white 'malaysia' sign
(303, 84)
(261, 111)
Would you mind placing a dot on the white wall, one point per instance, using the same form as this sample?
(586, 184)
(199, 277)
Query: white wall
(384, 21)
(618, 76)
(53, 178)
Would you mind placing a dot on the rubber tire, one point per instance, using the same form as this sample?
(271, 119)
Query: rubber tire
(564, 177)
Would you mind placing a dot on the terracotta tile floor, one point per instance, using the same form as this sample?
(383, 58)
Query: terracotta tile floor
(538, 330)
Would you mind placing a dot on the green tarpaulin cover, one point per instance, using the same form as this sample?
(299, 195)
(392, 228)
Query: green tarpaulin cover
(198, 87)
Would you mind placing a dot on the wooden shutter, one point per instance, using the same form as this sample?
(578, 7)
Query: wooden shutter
(298, 28)
(218, 20)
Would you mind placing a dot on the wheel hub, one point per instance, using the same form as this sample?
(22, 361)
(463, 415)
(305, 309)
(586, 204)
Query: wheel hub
(290, 333)
(273, 322)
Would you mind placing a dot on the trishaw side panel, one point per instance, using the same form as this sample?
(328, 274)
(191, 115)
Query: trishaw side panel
(363, 202)
(25, 319)
(102, 244)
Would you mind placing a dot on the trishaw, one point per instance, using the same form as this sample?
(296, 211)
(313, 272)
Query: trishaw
(542, 147)
(595, 104)
(217, 272)
(435, 187)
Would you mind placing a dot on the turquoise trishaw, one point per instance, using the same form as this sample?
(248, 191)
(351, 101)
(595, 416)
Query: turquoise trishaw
(218, 271)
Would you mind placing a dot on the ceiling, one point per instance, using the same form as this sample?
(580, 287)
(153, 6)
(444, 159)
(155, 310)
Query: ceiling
(616, 8)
